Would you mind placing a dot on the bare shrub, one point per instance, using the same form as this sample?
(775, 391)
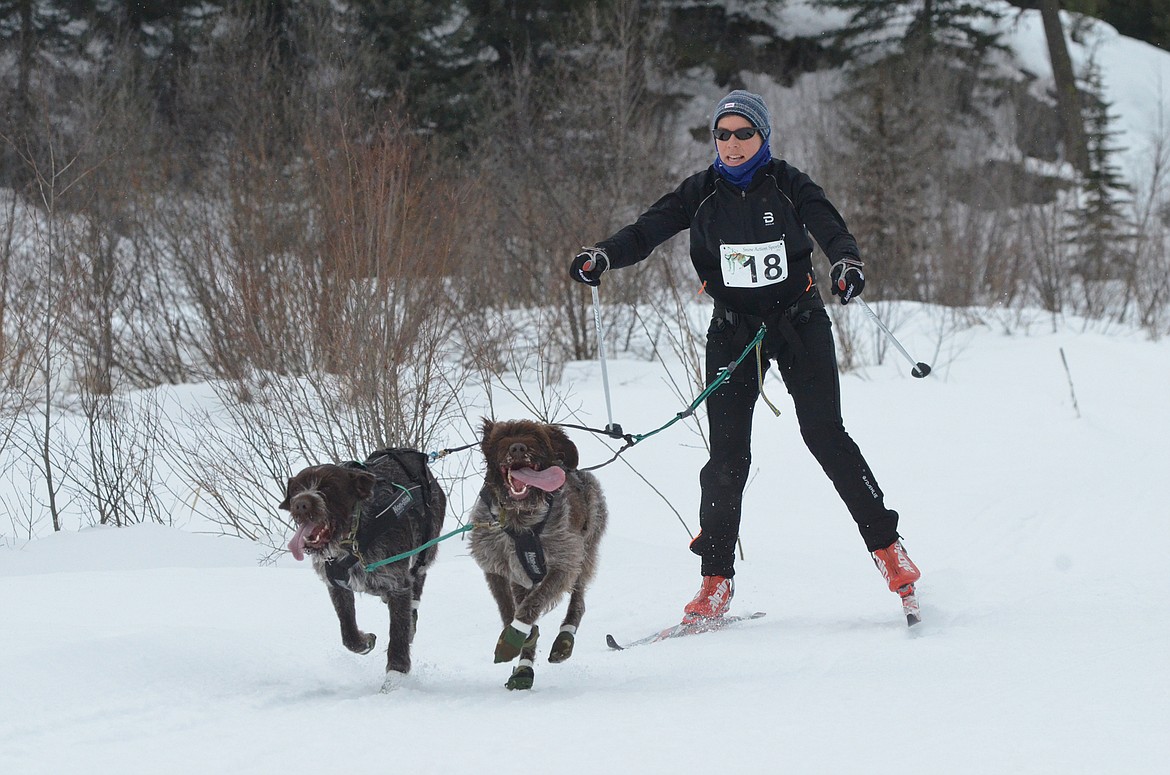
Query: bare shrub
(95, 464)
(48, 298)
(114, 481)
(1147, 279)
(332, 309)
(898, 133)
(18, 345)
(276, 425)
(1042, 239)
(558, 133)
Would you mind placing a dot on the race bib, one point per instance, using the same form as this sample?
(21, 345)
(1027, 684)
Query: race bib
(753, 266)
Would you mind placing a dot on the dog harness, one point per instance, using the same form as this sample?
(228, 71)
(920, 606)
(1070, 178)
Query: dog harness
(413, 496)
(526, 541)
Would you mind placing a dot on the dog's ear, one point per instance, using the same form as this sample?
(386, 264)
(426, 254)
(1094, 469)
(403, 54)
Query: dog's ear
(363, 483)
(485, 433)
(563, 449)
(288, 493)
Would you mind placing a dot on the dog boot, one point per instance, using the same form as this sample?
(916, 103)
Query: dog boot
(523, 675)
(896, 567)
(513, 639)
(562, 647)
(712, 600)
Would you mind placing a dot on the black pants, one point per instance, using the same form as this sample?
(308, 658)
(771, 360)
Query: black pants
(808, 366)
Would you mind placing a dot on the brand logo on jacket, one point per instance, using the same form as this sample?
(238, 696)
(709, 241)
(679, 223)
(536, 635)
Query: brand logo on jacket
(769, 219)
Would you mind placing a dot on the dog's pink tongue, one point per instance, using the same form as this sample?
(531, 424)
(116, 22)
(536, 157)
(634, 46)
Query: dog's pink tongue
(551, 478)
(297, 544)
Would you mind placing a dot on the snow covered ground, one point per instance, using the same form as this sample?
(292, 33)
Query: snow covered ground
(1041, 528)
(1041, 534)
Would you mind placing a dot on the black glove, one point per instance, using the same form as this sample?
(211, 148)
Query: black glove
(846, 279)
(588, 266)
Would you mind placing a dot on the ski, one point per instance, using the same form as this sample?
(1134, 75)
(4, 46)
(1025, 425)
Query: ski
(910, 605)
(679, 630)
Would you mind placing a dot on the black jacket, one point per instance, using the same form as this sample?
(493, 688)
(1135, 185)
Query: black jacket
(736, 235)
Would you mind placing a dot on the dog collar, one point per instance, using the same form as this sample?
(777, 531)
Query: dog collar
(500, 515)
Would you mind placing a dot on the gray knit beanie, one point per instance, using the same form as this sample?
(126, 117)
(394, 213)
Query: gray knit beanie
(750, 106)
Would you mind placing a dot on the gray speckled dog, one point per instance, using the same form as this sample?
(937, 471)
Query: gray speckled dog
(349, 517)
(538, 522)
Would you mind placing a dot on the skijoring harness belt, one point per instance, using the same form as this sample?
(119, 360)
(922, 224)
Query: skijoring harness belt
(745, 326)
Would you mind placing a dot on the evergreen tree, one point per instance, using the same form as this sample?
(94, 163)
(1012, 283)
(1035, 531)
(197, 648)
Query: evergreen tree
(1099, 231)
(527, 29)
(957, 29)
(438, 55)
(425, 54)
(161, 36)
(31, 27)
(40, 37)
(896, 157)
(1147, 20)
(919, 83)
(925, 35)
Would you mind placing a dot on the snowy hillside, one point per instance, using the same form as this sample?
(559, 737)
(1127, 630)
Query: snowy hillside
(1135, 78)
(1041, 535)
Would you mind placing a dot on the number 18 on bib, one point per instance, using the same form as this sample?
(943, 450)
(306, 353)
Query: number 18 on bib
(753, 266)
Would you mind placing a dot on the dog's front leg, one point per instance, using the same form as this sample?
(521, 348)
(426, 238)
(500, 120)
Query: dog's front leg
(521, 632)
(543, 596)
(501, 591)
(523, 674)
(354, 639)
(562, 647)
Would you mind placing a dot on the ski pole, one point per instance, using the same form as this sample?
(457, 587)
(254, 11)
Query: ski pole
(613, 430)
(920, 369)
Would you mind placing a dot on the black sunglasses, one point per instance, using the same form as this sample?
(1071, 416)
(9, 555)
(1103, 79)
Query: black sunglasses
(745, 133)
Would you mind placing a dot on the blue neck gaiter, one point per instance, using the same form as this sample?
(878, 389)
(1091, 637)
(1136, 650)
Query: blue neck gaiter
(741, 176)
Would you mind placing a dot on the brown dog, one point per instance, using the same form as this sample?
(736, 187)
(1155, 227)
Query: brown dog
(349, 517)
(538, 522)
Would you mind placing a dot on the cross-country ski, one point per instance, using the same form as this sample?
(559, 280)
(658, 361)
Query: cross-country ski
(685, 628)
